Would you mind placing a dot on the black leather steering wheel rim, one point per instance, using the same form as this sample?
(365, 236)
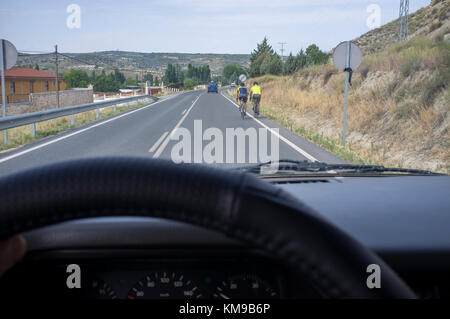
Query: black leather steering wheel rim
(235, 203)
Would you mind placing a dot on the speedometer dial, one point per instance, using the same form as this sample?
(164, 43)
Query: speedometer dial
(165, 286)
(244, 286)
(98, 289)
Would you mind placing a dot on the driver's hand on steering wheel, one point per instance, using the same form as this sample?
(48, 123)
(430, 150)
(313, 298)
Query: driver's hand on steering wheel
(11, 251)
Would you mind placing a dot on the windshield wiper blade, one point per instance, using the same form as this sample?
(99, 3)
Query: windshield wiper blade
(293, 166)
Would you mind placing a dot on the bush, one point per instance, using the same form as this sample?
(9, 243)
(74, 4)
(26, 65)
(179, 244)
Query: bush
(364, 70)
(435, 26)
(405, 109)
(266, 78)
(433, 87)
(443, 14)
(328, 74)
(189, 83)
(410, 65)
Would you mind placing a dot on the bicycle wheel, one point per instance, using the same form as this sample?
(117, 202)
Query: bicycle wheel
(257, 108)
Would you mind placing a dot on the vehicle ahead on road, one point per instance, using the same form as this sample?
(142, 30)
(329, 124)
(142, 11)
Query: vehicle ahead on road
(213, 87)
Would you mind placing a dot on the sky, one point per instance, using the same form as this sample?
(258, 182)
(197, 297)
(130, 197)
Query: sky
(190, 26)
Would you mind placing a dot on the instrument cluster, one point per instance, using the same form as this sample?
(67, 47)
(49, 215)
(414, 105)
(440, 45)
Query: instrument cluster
(147, 282)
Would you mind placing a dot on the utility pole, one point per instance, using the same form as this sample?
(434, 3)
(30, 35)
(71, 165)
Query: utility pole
(3, 67)
(282, 49)
(57, 77)
(403, 20)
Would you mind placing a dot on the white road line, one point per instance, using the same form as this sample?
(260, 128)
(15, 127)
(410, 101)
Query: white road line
(292, 145)
(2, 160)
(184, 112)
(155, 146)
(166, 141)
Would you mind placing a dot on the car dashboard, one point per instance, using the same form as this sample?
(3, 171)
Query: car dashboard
(404, 219)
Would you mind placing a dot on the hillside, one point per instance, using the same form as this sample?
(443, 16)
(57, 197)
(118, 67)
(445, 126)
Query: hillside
(428, 21)
(399, 103)
(133, 62)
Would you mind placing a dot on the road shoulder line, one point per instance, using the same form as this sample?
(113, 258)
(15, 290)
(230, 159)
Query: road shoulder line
(288, 142)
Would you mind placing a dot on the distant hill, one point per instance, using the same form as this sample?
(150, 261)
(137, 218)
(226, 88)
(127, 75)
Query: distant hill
(428, 21)
(133, 62)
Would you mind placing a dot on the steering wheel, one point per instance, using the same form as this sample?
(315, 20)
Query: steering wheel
(235, 203)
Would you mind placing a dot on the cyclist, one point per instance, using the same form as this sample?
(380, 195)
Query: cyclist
(255, 96)
(241, 95)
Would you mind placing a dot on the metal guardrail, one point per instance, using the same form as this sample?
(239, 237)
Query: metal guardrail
(32, 118)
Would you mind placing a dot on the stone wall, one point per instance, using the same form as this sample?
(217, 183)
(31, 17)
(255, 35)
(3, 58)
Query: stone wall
(47, 100)
(18, 108)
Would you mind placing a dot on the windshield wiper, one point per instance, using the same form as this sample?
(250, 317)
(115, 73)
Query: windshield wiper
(285, 166)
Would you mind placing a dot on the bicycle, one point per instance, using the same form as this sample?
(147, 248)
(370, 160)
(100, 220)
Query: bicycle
(241, 108)
(256, 106)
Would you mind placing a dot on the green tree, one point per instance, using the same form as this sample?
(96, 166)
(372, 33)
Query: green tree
(76, 79)
(108, 82)
(118, 76)
(206, 74)
(189, 83)
(201, 74)
(231, 72)
(271, 64)
(179, 74)
(219, 79)
(148, 77)
(36, 67)
(131, 82)
(301, 59)
(315, 56)
(258, 55)
(290, 66)
(170, 76)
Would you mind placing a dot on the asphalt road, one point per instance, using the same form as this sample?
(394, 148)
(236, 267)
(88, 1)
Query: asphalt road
(146, 132)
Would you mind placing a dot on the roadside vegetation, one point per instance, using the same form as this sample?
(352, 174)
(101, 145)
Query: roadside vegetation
(399, 105)
(111, 82)
(187, 78)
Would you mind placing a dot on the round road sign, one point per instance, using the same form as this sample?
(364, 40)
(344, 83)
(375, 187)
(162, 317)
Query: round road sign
(340, 56)
(10, 56)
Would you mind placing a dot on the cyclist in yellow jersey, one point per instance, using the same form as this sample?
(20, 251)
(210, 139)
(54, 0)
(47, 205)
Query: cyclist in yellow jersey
(255, 96)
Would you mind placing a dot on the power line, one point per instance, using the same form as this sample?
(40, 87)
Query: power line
(33, 55)
(57, 80)
(28, 53)
(76, 59)
(35, 52)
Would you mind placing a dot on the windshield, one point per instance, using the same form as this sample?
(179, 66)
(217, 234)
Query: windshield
(231, 84)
